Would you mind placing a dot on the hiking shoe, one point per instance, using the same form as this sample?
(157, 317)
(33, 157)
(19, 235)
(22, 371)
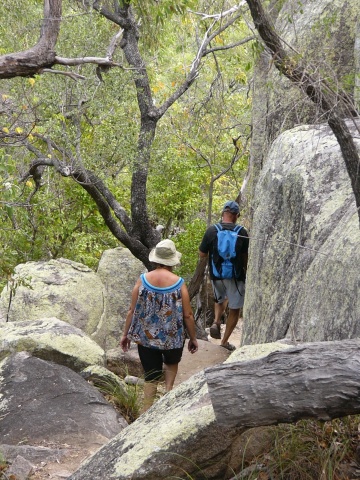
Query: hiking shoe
(215, 331)
(228, 346)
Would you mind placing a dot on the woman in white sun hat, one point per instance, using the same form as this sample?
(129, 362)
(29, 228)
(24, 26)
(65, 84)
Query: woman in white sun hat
(159, 313)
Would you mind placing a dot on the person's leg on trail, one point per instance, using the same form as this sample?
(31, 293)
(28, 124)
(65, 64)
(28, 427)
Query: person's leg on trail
(170, 374)
(215, 329)
(219, 308)
(151, 361)
(150, 391)
(171, 359)
(235, 292)
(219, 311)
(231, 323)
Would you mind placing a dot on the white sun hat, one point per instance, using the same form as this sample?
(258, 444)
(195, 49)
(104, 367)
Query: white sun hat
(165, 253)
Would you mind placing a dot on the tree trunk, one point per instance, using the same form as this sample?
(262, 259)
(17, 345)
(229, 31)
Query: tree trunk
(197, 278)
(315, 380)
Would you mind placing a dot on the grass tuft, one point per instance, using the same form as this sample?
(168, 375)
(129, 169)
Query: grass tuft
(125, 398)
(309, 450)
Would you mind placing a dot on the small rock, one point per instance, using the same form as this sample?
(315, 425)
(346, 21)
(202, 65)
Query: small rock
(20, 468)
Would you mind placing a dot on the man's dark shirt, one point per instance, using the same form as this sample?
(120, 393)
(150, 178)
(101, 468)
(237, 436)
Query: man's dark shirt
(209, 244)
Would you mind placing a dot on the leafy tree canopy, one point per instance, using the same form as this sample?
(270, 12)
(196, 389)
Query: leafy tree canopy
(86, 164)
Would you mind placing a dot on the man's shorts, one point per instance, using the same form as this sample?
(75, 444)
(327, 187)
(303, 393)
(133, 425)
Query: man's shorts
(152, 360)
(231, 289)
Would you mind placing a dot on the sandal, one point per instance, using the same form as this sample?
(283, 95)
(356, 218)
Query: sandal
(215, 331)
(228, 346)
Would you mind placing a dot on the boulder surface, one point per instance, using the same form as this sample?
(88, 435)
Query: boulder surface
(41, 401)
(305, 243)
(118, 270)
(53, 340)
(64, 289)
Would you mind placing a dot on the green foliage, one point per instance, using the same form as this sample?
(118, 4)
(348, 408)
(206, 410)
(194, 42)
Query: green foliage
(187, 242)
(97, 124)
(22, 33)
(161, 12)
(38, 231)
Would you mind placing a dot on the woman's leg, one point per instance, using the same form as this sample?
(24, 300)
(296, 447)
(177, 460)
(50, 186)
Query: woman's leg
(150, 390)
(171, 360)
(151, 360)
(170, 374)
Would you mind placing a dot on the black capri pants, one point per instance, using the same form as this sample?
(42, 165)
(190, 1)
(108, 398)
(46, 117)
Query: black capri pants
(152, 360)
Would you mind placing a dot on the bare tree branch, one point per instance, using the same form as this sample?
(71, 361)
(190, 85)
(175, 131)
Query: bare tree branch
(74, 76)
(104, 62)
(194, 70)
(113, 44)
(316, 89)
(219, 16)
(230, 46)
(42, 55)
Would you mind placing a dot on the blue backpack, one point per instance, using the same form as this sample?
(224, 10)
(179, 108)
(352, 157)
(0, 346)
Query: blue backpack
(224, 254)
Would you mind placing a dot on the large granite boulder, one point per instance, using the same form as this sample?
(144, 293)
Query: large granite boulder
(45, 402)
(178, 437)
(95, 302)
(325, 38)
(305, 246)
(52, 340)
(118, 270)
(64, 289)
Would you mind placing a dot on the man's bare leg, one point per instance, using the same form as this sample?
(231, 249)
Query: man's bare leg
(231, 323)
(219, 309)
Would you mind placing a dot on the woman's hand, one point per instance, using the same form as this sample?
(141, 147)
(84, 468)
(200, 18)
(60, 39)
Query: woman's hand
(125, 343)
(193, 346)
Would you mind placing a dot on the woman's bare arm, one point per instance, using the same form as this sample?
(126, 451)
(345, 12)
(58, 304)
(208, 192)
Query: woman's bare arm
(125, 341)
(189, 319)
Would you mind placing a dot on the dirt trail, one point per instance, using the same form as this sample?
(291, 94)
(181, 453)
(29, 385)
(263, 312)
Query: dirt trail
(209, 353)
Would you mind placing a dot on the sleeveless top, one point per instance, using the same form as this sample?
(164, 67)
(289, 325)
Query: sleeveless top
(157, 321)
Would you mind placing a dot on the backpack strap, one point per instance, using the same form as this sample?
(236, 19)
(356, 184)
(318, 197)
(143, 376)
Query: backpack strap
(236, 229)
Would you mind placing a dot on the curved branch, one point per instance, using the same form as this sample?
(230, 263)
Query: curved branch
(115, 206)
(74, 76)
(230, 46)
(42, 55)
(104, 200)
(79, 174)
(114, 17)
(92, 186)
(316, 89)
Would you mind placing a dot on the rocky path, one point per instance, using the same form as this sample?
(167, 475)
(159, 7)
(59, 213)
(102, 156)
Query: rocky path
(210, 353)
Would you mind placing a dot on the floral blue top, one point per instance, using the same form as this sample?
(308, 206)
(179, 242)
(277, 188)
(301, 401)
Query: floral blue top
(158, 317)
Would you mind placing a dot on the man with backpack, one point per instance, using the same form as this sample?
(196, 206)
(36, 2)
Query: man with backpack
(227, 245)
